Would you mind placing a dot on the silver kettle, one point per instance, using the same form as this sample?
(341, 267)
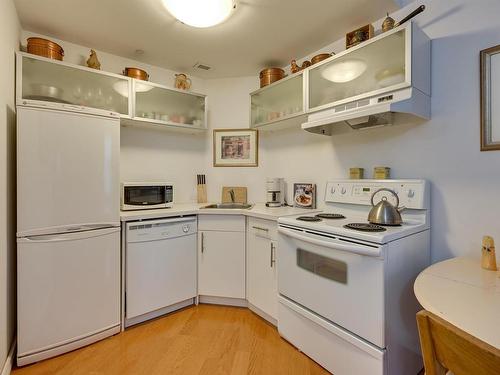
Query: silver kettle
(384, 213)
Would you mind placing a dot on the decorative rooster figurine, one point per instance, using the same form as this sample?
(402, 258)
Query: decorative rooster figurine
(294, 68)
(92, 61)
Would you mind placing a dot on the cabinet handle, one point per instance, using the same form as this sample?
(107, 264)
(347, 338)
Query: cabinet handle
(273, 259)
(259, 228)
(202, 242)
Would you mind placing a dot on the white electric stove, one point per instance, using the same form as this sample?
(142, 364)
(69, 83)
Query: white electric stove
(345, 286)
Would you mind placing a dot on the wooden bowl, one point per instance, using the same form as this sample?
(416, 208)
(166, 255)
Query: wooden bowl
(45, 48)
(270, 75)
(322, 56)
(136, 73)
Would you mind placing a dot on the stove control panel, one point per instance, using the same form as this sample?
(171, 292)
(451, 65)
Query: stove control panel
(413, 194)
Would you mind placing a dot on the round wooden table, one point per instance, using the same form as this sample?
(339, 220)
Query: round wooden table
(461, 292)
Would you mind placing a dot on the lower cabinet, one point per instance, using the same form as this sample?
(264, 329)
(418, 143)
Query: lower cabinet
(221, 256)
(262, 281)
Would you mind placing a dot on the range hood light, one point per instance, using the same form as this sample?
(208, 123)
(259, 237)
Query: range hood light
(344, 71)
(200, 13)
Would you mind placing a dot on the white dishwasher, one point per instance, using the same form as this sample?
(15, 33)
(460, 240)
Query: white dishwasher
(161, 273)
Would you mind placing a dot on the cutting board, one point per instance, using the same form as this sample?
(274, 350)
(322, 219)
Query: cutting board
(240, 194)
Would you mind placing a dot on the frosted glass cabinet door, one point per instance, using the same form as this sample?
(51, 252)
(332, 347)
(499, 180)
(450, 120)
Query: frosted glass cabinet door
(279, 101)
(57, 82)
(373, 68)
(168, 106)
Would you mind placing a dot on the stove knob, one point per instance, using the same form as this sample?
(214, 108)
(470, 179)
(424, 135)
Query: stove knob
(411, 193)
(185, 228)
(343, 190)
(332, 190)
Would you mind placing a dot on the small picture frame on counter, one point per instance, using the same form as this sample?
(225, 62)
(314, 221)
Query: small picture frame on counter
(304, 195)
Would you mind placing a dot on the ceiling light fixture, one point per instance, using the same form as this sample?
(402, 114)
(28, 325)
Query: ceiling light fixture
(344, 71)
(200, 13)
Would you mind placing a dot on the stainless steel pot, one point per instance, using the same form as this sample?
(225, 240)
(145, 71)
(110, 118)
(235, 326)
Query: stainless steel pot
(384, 213)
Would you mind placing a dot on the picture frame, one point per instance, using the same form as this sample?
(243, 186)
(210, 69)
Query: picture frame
(490, 93)
(304, 195)
(235, 148)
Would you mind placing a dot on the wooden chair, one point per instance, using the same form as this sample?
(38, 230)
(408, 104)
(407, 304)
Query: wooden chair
(447, 348)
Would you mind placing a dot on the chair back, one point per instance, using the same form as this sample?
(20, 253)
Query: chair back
(448, 348)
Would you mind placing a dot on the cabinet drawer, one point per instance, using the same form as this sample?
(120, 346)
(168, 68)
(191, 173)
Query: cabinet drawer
(263, 228)
(222, 223)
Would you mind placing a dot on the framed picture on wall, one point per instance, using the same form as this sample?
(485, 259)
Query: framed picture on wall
(236, 148)
(490, 97)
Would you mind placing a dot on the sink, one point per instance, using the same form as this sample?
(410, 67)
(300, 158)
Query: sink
(243, 206)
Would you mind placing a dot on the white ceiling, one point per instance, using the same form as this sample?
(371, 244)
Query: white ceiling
(260, 33)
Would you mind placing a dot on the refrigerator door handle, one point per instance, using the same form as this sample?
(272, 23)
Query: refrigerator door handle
(66, 229)
(69, 236)
(97, 226)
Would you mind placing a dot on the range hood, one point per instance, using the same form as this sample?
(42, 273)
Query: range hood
(391, 108)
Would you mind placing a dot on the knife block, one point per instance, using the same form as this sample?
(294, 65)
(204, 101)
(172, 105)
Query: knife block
(202, 193)
(488, 257)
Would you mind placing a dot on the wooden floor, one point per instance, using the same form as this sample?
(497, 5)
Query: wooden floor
(205, 339)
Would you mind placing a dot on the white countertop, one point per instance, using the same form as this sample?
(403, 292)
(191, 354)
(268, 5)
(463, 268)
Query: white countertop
(461, 292)
(259, 210)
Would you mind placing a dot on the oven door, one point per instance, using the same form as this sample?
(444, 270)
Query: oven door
(146, 196)
(340, 279)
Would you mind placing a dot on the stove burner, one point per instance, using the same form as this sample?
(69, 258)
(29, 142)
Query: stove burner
(308, 218)
(365, 227)
(330, 216)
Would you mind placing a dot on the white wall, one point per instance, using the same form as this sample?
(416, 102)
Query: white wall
(445, 150)
(229, 108)
(9, 42)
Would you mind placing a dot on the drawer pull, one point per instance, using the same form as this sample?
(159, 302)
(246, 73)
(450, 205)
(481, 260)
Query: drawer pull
(260, 228)
(273, 259)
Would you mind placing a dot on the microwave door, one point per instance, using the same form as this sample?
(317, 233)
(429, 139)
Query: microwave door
(144, 195)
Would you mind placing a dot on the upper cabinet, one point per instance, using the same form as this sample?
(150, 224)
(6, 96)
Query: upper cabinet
(138, 102)
(282, 100)
(43, 79)
(159, 104)
(378, 82)
(370, 69)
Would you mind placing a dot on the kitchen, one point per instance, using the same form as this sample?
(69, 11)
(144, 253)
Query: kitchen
(443, 150)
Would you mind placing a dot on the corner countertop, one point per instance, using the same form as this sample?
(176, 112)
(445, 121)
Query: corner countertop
(259, 210)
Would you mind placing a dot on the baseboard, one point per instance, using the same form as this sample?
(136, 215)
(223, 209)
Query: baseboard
(263, 314)
(9, 361)
(157, 313)
(227, 301)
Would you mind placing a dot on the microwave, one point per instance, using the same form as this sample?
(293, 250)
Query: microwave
(146, 195)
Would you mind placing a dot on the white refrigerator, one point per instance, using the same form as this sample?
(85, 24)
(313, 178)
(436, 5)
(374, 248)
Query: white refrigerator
(68, 229)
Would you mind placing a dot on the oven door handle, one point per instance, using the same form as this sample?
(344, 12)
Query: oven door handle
(357, 249)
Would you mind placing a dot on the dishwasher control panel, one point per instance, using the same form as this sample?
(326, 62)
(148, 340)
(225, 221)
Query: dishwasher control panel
(152, 230)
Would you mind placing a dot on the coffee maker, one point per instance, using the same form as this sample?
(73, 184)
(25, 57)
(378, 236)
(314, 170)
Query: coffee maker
(275, 192)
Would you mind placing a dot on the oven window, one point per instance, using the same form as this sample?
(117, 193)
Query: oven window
(144, 195)
(328, 268)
